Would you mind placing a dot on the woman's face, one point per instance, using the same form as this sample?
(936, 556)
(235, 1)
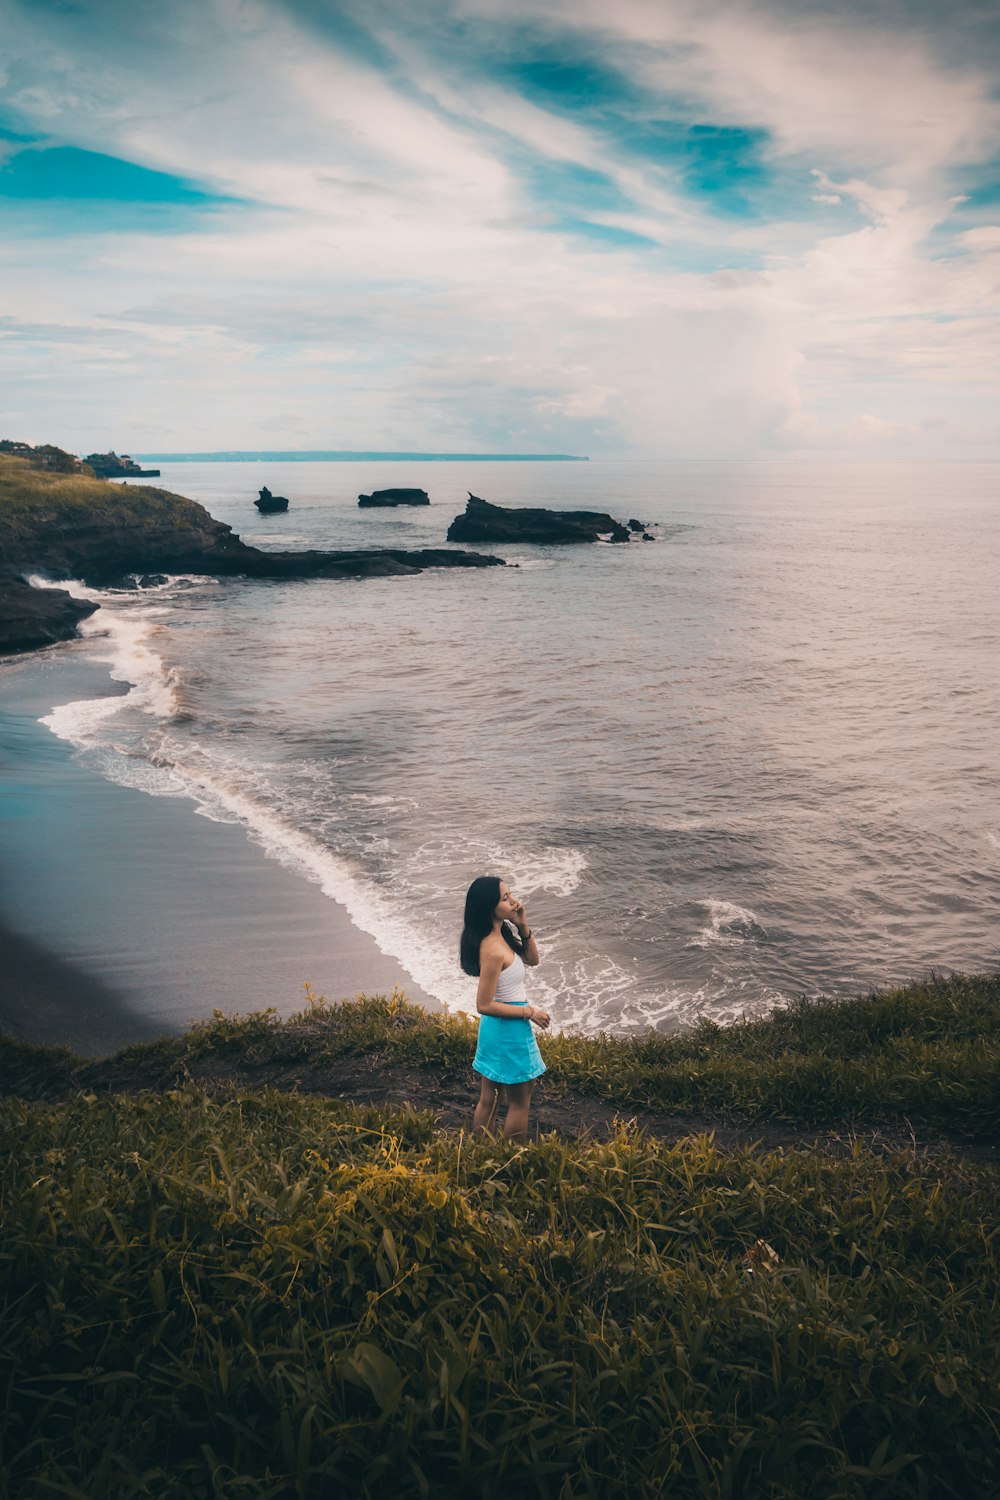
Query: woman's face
(507, 905)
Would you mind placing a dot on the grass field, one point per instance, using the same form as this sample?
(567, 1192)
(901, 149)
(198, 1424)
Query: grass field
(257, 1294)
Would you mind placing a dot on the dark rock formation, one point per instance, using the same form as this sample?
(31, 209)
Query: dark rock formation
(76, 526)
(101, 532)
(269, 504)
(32, 617)
(104, 533)
(394, 497)
(483, 522)
(118, 466)
(366, 563)
(131, 583)
(634, 525)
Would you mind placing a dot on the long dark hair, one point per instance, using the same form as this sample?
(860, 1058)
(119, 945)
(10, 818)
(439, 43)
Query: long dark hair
(481, 901)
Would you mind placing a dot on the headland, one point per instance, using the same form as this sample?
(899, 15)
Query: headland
(58, 520)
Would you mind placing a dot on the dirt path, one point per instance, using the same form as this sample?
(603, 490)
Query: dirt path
(368, 1078)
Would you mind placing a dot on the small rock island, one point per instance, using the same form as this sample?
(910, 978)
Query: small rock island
(484, 522)
(379, 498)
(269, 504)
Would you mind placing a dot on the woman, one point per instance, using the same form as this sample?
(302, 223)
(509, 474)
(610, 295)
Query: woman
(507, 1058)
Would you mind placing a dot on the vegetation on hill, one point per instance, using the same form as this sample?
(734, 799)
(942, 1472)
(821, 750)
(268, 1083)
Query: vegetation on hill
(73, 525)
(250, 1293)
(268, 1295)
(925, 1056)
(45, 456)
(37, 501)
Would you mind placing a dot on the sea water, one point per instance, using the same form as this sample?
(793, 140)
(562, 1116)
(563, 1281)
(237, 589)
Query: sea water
(752, 759)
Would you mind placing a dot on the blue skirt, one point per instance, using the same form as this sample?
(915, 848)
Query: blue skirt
(507, 1050)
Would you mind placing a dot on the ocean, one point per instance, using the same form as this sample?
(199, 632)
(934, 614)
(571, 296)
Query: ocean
(754, 760)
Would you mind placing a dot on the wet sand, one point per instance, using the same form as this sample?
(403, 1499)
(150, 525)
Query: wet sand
(125, 916)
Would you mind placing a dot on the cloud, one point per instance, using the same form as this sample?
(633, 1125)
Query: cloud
(480, 223)
(985, 238)
(842, 87)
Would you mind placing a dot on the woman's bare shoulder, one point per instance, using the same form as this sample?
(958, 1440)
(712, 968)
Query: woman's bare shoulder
(492, 947)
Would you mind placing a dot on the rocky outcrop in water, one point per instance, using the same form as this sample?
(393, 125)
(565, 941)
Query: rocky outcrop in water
(269, 504)
(364, 563)
(88, 529)
(380, 498)
(484, 522)
(76, 526)
(31, 617)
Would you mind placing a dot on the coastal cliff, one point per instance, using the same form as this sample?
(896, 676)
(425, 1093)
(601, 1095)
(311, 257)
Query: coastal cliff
(78, 526)
(64, 524)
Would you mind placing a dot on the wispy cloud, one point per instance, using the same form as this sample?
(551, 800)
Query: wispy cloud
(663, 228)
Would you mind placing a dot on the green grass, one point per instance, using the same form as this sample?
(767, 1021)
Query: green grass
(253, 1294)
(268, 1295)
(926, 1056)
(34, 501)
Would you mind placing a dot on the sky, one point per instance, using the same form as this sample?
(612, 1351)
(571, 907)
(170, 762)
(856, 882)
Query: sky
(621, 228)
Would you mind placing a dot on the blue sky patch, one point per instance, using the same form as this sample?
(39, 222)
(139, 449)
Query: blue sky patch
(67, 173)
(554, 80)
(721, 163)
(608, 235)
(562, 185)
(984, 193)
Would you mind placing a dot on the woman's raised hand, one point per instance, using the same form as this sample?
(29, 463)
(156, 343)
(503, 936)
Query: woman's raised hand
(520, 915)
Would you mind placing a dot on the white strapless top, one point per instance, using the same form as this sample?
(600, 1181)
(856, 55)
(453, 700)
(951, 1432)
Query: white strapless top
(510, 985)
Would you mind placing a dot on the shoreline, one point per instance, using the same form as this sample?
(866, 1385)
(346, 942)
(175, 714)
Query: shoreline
(125, 916)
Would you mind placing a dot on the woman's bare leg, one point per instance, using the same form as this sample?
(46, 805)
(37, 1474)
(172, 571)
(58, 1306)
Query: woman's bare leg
(490, 1095)
(519, 1103)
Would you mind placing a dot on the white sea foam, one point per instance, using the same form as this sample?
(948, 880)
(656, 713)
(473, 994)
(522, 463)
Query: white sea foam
(529, 867)
(123, 640)
(728, 926)
(382, 799)
(558, 871)
(158, 767)
(407, 908)
(592, 993)
(403, 910)
(375, 911)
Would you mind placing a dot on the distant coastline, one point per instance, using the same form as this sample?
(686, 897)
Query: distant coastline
(343, 455)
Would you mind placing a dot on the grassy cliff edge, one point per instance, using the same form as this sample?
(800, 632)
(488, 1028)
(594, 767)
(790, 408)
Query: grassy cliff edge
(214, 1287)
(922, 1056)
(70, 525)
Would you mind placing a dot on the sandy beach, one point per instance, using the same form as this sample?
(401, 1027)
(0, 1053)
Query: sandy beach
(125, 916)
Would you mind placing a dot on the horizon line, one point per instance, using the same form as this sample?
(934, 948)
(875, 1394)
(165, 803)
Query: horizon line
(345, 455)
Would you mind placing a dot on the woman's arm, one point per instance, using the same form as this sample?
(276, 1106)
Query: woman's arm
(490, 966)
(529, 948)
